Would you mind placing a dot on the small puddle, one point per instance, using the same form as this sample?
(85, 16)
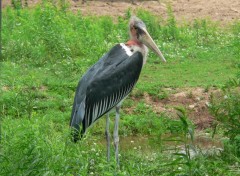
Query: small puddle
(207, 142)
(167, 144)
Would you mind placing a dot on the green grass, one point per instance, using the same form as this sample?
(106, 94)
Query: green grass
(189, 73)
(46, 50)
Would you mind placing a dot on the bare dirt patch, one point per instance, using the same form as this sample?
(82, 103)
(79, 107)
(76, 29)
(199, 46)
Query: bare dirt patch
(184, 10)
(218, 10)
(194, 100)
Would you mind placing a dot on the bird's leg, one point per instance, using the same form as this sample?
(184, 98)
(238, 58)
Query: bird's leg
(115, 135)
(107, 137)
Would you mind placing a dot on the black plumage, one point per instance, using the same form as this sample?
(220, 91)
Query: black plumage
(103, 86)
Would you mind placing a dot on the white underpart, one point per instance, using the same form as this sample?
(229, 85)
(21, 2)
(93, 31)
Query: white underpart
(94, 111)
(105, 105)
(100, 109)
(130, 50)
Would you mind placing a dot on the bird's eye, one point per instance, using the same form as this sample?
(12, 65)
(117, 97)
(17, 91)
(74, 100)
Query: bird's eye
(136, 28)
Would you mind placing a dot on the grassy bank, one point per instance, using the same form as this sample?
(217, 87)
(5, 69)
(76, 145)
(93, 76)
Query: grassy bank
(46, 49)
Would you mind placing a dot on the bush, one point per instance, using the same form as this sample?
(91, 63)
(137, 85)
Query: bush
(226, 110)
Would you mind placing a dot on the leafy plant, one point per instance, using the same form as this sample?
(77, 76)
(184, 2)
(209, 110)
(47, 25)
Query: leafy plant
(183, 156)
(17, 4)
(226, 110)
(171, 31)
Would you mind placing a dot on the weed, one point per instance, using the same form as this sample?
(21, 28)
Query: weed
(17, 4)
(137, 93)
(206, 89)
(162, 95)
(226, 110)
(171, 31)
(190, 94)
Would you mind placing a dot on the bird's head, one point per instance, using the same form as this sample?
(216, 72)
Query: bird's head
(138, 32)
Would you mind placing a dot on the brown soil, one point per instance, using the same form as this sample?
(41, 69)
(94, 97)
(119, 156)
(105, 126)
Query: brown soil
(184, 10)
(194, 100)
(218, 10)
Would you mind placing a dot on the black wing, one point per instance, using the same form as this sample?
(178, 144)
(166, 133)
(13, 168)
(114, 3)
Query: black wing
(104, 85)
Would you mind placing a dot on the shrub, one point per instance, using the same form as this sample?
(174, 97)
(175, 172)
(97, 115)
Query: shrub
(226, 110)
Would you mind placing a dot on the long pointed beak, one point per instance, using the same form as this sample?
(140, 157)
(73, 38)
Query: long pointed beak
(148, 41)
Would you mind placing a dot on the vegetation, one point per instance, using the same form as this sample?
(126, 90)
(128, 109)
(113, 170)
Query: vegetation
(47, 48)
(226, 109)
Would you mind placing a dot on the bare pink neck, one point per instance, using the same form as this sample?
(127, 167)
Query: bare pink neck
(133, 42)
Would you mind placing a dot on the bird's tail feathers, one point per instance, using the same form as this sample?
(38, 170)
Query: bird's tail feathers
(77, 121)
(75, 134)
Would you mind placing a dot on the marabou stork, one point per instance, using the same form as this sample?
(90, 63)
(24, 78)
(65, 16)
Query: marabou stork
(108, 82)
